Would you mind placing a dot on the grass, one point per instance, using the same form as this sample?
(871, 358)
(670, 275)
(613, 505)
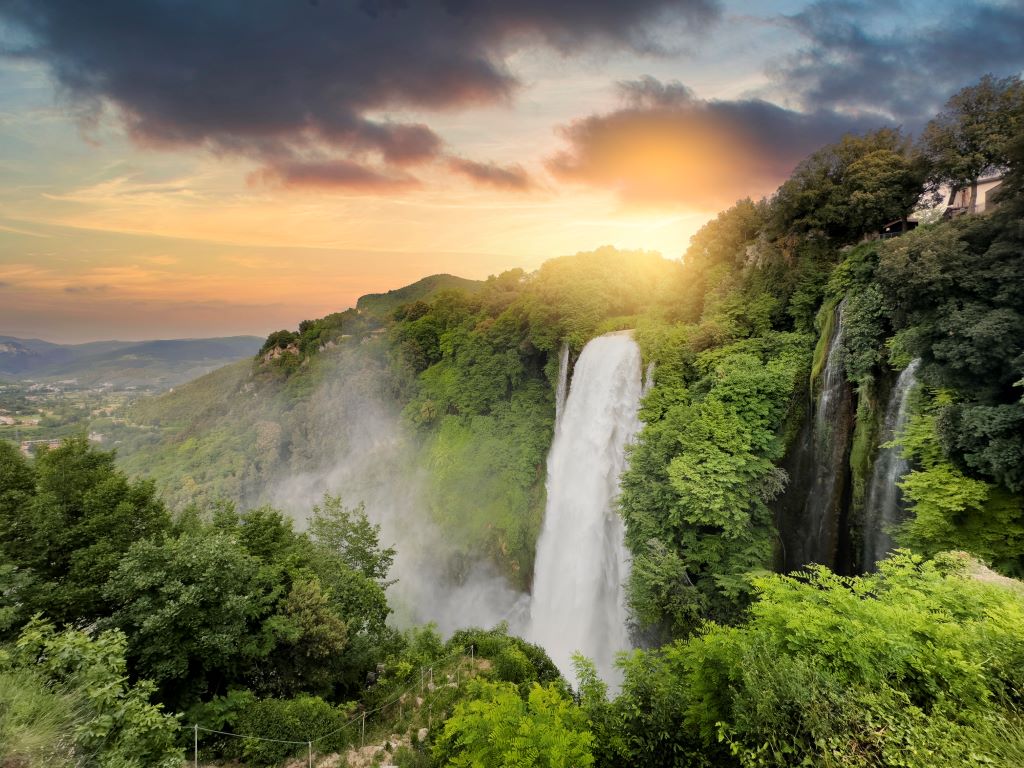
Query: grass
(35, 722)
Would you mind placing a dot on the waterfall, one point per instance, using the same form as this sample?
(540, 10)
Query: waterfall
(811, 513)
(824, 503)
(578, 601)
(882, 504)
(563, 381)
(648, 380)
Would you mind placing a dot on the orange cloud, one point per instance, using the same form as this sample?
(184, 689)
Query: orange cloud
(667, 148)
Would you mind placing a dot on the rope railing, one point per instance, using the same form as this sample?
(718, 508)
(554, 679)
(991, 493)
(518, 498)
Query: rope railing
(361, 718)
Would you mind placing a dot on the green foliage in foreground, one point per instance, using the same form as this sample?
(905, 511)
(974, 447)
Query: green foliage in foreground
(918, 665)
(67, 520)
(286, 720)
(206, 606)
(498, 729)
(65, 700)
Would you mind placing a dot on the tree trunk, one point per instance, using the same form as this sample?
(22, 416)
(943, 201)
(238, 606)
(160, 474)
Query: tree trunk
(974, 197)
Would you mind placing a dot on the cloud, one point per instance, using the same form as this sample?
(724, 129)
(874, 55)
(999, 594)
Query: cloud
(879, 57)
(512, 177)
(339, 174)
(279, 81)
(667, 148)
(85, 289)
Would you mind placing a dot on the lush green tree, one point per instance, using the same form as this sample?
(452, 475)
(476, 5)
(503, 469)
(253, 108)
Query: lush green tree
(695, 497)
(72, 528)
(972, 134)
(193, 610)
(496, 728)
(310, 640)
(850, 188)
(17, 486)
(950, 510)
(349, 533)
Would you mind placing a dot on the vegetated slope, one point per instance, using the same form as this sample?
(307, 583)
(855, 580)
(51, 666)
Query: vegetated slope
(163, 363)
(463, 380)
(383, 304)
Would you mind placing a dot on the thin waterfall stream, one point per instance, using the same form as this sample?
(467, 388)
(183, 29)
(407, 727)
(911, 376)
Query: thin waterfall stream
(882, 505)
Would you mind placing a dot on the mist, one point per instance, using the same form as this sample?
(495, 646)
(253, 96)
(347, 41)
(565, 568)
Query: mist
(354, 445)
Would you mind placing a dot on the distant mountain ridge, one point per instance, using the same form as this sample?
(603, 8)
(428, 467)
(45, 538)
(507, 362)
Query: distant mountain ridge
(158, 362)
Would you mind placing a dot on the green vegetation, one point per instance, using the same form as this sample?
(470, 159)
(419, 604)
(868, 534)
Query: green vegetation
(133, 608)
(971, 135)
(65, 699)
(917, 665)
(498, 728)
(383, 305)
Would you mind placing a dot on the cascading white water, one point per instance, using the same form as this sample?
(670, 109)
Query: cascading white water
(882, 503)
(578, 601)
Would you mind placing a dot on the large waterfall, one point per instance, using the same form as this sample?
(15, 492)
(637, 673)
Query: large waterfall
(578, 602)
(882, 503)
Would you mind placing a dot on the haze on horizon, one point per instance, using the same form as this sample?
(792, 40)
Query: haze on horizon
(192, 169)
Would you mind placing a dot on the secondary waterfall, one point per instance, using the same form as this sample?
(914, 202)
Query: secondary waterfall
(831, 427)
(811, 513)
(578, 601)
(882, 503)
(563, 381)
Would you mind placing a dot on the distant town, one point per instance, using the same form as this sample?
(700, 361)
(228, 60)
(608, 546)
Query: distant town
(38, 415)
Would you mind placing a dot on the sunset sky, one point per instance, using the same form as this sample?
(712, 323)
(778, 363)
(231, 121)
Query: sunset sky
(174, 168)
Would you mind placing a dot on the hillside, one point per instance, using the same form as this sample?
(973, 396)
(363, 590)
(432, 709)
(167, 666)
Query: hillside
(383, 304)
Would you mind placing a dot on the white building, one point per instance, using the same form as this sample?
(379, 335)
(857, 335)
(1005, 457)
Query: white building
(960, 197)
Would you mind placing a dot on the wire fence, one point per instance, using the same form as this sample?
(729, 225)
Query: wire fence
(425, 670)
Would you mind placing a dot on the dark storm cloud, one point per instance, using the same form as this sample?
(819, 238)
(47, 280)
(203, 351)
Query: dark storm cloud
(884, 57)
(512, 177)
(666, 147)
(280, 78)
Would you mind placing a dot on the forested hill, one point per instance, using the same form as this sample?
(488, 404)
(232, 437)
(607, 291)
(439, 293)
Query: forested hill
(798, 359)
(383, 304)
(462, 381)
